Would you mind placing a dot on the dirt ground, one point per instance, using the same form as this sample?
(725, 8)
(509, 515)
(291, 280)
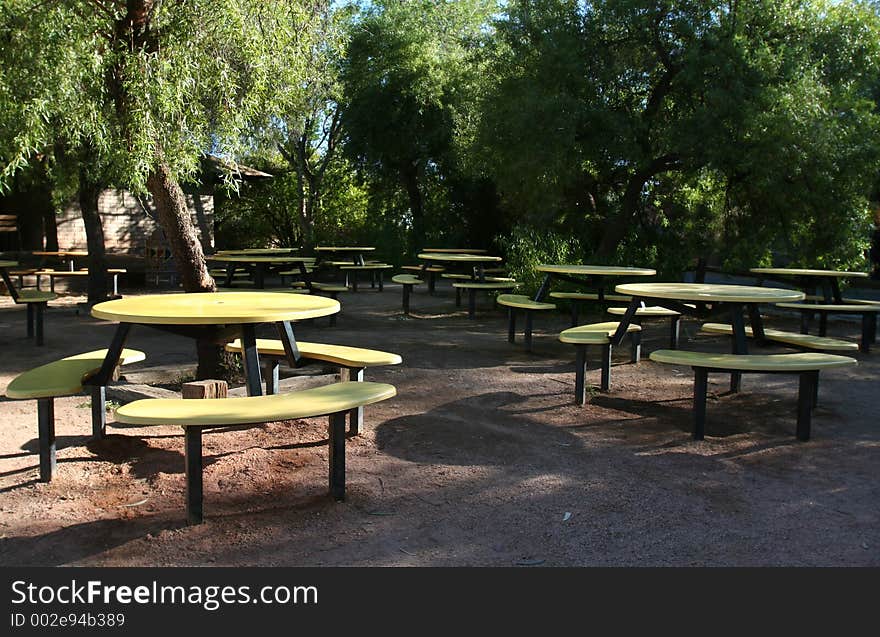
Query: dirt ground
(481, 460)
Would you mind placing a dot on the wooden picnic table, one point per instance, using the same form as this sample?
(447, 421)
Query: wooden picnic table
(477, 260)
(809, 280)
(702, 299)
(66, 255)
(594, 276)
(218, 317)
(261, 265)
(356, 252)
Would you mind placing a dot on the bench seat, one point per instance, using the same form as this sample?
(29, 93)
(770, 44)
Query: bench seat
(35, 301)
(375, 269)
(805, 341)
(407, 281)
(65, 377)
(599, 334)
(473, 286)
(53, 274)
(655, 311)
(520, 302)
(868, 311)
(351, 361)
(806, 364)
(194, 416)
(576, 298)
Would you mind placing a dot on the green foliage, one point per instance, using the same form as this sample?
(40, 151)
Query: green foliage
(524, 249)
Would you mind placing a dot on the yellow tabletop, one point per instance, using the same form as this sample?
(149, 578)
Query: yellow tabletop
(709, 292)
(215, 308)
(456, 250)
(598, 270)
(343, 249)
(240, 258)
(8, 264)
(808, 272)
(257, 251)
(461, 258)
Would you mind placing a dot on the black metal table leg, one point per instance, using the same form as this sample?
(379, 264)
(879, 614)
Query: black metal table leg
(606, 368)
(545, 287)
(806, 390)
(739, 343)
(701, 388)
(472, 303)
(511, 325)
(528, 331)
(580, 374)
(625, 321)
(40, 312)
(250, 359)
(46, 431)
(99, 411)
(288, 342)
(30, 320)
(193, 469)
(111, 359)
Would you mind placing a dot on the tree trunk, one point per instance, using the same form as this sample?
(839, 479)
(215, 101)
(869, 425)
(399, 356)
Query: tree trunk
(409, 176)
(617, 226)
(50, 230)
(89, 191)
(174, 217)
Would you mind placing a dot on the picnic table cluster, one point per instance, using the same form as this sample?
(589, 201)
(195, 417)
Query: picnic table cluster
(231, 317)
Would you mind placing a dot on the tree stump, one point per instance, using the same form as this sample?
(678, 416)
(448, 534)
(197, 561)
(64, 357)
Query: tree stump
(205, 389)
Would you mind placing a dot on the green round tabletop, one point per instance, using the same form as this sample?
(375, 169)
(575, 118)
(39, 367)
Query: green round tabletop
(256, 251)
(599, 270)
(461, 258)
(808, 272)
(8, 264)
(241, 258)
(709, 292)
(343, 249)
(456, 250)
(215, 308)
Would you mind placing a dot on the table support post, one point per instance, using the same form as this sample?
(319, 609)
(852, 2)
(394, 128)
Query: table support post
(673, 332)
(193, 470)
(580, 374)
(806, 390)
(285, 330)
(701, 388)
(337, 455)
(511, 325)
(605, 379)
(757, 323)
(545, 287)
(739, 343)
(251, 360)
(625, 321)
(99, 411)
(114, 353)
(46, 432)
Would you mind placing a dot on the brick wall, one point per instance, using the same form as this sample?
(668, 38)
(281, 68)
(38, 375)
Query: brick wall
(127, 226)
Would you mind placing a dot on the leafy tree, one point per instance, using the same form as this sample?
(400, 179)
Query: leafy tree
(140, 89)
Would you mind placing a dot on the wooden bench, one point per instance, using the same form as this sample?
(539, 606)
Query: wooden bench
(64, 377)
(868, 312)
(806, 365)
(407, 281)
(600, 334)
(802, 341)
(350, 361)
(375, 270)
(655, 311)
(473, 286)
(516, 303)
(53, 274)
(576, 298)
(195, 416)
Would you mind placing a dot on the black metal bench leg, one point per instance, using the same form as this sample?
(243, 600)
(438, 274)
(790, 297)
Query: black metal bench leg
(354, 282)
(580, 374)
(528, 331)
(337, 455)
(40, 314)
(356, 415)
(673, 332)
(574, 313)
(472, 304)
(869, 324)
(99, 411)
(606, 368)
(273, 376)
(46, 433)
(635, 339)
(381, 283)
(407, 289)
(335, 297)
(806, 317)
(511, 325)
(701, 388)
(194, 466)
(823, 323)
(251, 360)
(457, 297)
(30, 320)
(806, 391)
(373, 279)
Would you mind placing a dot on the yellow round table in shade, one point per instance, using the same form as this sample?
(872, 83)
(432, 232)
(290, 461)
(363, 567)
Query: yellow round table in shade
(592, 274)
(355, 252)
(217, 317)
(477, 260)
(260, 266)
(809, 279)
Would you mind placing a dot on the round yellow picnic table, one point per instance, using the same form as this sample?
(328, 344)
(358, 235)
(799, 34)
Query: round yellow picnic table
(456, 250)
(256, 251)
(356, 252)
(594, 274)
(808, 279)
(215, 316)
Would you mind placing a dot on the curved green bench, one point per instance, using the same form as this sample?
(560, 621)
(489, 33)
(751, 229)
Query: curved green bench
(794, 339)
(599, 334)
(867, 310)
(806, 365)
(350, 361)
(516, 303)
(195, 416)
(65, 377)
